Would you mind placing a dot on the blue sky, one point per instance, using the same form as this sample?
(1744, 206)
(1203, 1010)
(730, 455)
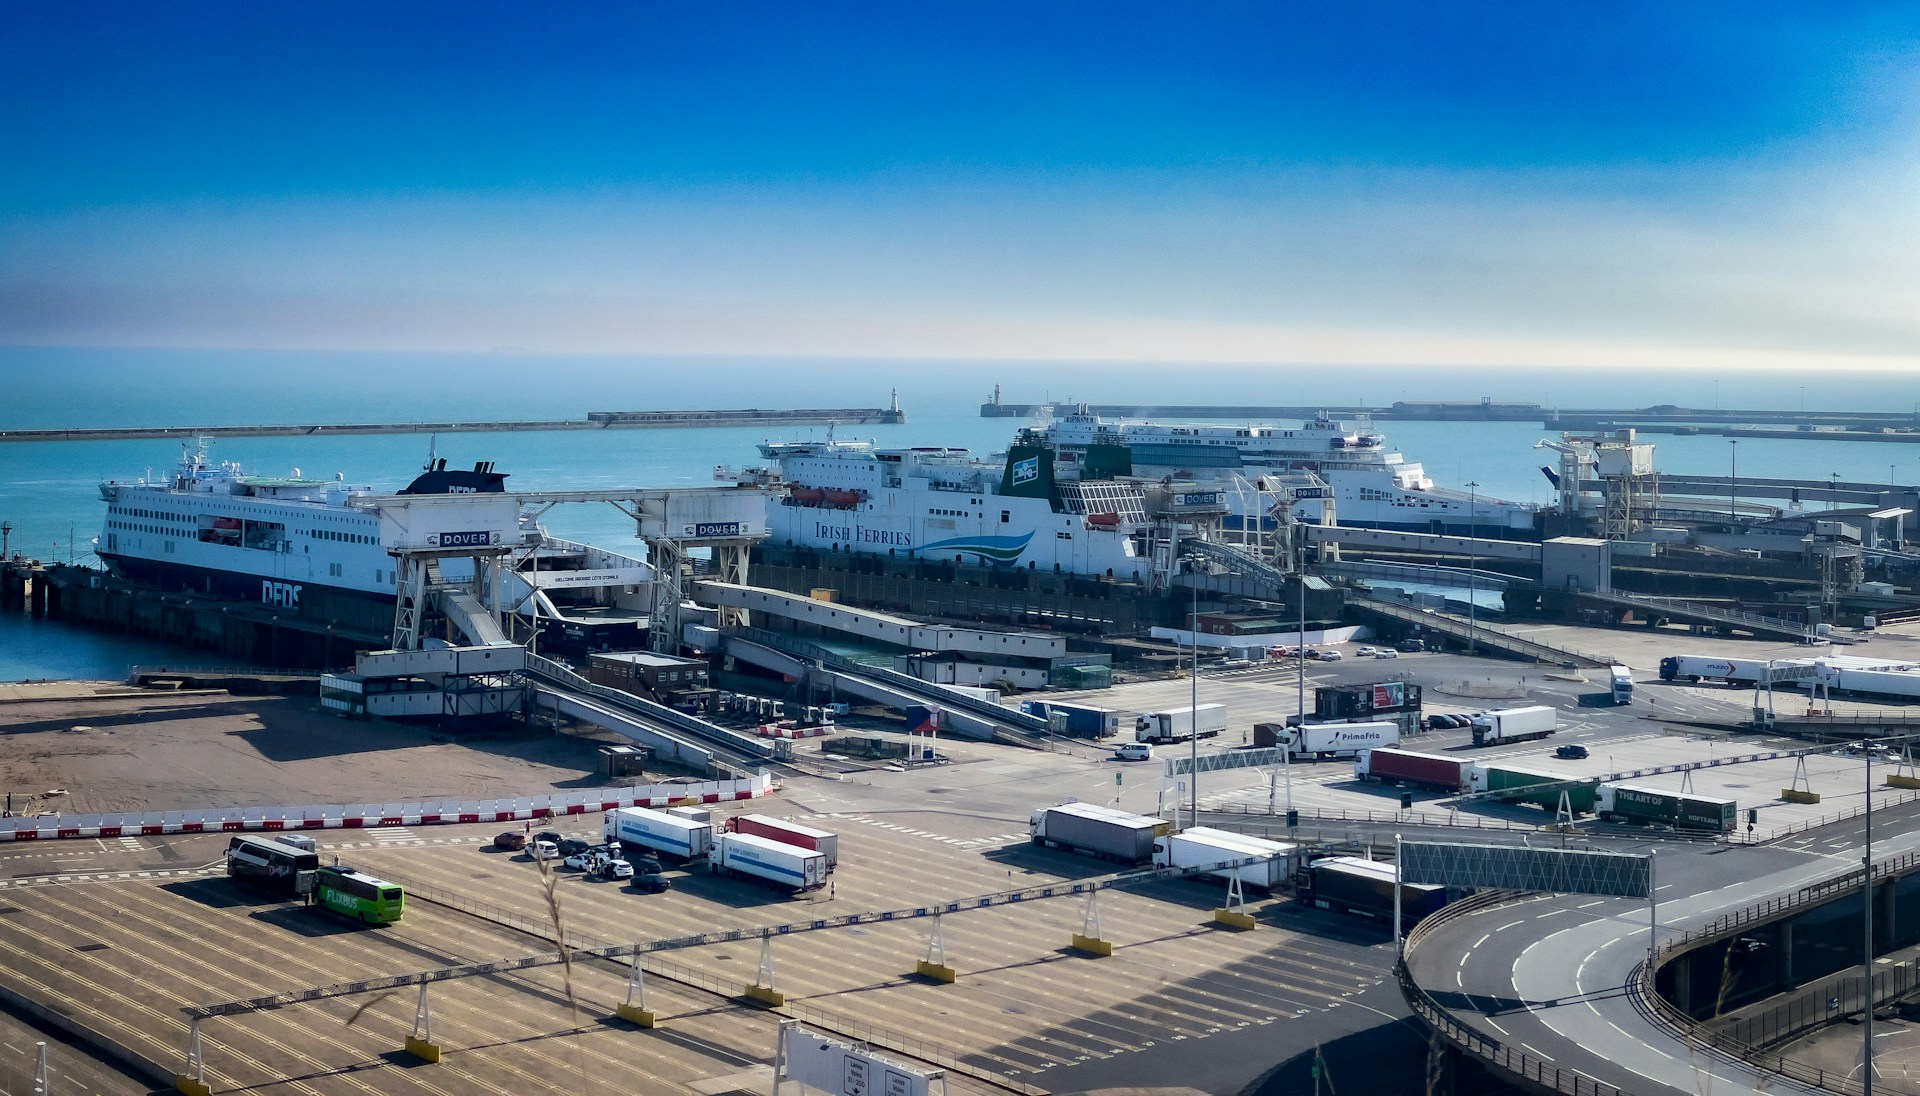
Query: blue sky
(1525, 184)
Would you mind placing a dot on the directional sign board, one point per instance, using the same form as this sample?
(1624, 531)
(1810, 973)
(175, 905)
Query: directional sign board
(846, 1070)
(1516, 867)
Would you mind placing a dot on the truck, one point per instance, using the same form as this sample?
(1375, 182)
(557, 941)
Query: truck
(1269, 863)
(1421, 770)
(1622, 679)
(788, 833)
(1335, 740)
(1105, 832)
(1656, 807)
(1075, 720)
(1733, 671)
(1541, 787)
(1180, 724)
(1514, 725)
(658, 831)
(1348, 884)
(783, 865)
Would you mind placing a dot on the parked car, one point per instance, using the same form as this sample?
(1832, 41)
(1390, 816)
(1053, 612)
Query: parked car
(543, 850)
(514, 841)
(1389, 652)
(615, 869)
(549, 835)
(1412, 646)
(582, 861)
(1576, 752)
(573, 846)
(1369, 652)
(1329, 656)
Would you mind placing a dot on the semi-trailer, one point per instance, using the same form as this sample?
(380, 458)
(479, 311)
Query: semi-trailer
(1733, 671)
(1657, 807)
(789, 833)
(1180, 724)
(1348, 884)
(1514, 725)
(1541, 787)
(1260, 863)
(1318, 741)
(771, 861)
(1407, 767)
(1104, 832)
(659, 831)
(1075, 720)
(1621, 679)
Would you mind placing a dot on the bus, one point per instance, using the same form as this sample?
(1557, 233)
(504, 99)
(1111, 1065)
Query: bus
(272, 865)
(359, 895)
(1622, 684)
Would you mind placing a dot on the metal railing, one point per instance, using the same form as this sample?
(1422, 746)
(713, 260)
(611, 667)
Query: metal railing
(1459, 628)
(1816, 1006)
(1507, 1059)
(713, 733)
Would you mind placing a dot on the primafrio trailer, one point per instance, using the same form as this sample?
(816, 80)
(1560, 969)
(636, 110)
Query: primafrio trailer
(1337, 740)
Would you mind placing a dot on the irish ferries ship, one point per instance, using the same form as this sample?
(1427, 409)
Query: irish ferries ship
(300, 545)
(941, 503)
(1373, 486)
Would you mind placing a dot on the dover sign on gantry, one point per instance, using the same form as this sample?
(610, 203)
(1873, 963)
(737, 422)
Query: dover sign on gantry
(847, 1070)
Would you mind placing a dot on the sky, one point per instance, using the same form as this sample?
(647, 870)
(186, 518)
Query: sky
(1501, 185)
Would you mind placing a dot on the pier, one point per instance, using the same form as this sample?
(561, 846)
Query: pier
(596, 420)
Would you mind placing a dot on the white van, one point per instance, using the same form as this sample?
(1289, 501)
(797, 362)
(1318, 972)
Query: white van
(1133, 751)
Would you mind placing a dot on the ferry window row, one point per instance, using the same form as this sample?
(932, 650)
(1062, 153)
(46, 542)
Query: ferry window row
(947, 513)
(137, 512)
(344, 538)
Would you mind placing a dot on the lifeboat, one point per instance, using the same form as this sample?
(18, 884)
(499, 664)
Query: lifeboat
(807, 496)
(842, 498)
(1104, 521)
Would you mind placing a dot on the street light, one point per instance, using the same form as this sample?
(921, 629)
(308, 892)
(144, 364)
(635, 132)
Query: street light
(1733, 481)
(1473, 561)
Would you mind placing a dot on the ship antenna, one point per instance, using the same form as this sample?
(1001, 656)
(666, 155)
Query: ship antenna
(433, 451)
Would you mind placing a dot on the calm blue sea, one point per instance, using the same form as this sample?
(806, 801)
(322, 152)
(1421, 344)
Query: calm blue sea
(48, 490)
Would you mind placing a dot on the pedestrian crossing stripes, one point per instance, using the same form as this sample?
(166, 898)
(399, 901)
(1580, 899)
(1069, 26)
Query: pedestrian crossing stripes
(131, 844)
(393, 833)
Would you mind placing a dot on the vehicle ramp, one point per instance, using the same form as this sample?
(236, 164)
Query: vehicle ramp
(1242, 562)
(727, 746)
(1692, 612)
(1483, 634)
(470, 618)
(663, 743)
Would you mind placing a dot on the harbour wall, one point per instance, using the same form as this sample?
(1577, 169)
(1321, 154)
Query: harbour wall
(596, 420)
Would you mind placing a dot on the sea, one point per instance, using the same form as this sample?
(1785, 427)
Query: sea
(50, 502)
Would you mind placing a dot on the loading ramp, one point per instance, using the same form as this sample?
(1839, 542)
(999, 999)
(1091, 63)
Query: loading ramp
(1692, 612)
(1480, 633)
(725, 746)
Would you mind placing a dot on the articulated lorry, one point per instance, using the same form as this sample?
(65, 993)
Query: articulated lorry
(1075, 720)
(1421, 770)
(658, 831)
(1733, 671)
(1514, 725)
(1320, 741)
(789, 833)
(1262, 864)
(1657, 807)
(1541, 787)
(1098, 831)
(1180, 724)
(783, 865)
(1348, 884)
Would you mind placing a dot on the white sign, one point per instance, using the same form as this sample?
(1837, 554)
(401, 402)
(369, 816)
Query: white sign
(846, 1070)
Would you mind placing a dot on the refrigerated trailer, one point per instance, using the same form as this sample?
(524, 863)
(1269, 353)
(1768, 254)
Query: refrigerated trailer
(1657, 807)
(1541, 787)
(1733, 671)
(658, 831)
(789, 833)
(1268, 866)
(1514, 725)
(1180, 724)
(770, 861)
(1441, 772)
(1336, 740)
(1098, 831)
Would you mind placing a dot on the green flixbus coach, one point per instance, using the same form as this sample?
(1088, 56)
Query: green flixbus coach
(358, 895)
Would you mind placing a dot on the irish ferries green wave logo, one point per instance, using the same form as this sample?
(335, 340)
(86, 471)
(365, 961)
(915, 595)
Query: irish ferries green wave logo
(991, 549)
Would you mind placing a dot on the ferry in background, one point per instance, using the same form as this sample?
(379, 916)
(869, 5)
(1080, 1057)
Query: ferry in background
(1373, 486)
(303, 546)
(942, 503)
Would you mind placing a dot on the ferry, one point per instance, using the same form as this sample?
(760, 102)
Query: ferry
(1372, 486)
(942, 503)
(302, 546)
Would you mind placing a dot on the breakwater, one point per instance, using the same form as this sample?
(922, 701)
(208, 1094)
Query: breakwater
(597, 420)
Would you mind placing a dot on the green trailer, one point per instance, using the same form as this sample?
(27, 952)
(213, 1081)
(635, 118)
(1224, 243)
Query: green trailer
(1657, 807)
(1541, 787)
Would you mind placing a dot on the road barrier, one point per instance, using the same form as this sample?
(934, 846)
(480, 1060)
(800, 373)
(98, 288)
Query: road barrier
(375, 815)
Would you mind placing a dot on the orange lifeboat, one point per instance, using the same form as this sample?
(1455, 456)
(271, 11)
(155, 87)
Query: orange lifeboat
(841, 498)
(807, 496)
(1104, 521)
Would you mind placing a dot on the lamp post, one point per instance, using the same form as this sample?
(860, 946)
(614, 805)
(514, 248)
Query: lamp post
(1193, 712)
(1866, 906)
(1733, 479)
(1473, 561)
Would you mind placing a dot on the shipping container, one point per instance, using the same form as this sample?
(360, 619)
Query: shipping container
(789, 833)
(1390, 766)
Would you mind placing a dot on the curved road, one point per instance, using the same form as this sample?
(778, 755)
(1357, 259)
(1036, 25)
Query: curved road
(1547, 974)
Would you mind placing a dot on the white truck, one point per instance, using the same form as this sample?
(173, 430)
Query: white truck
(1337, 740)
(1105, 832)
(788, 833)
(1180, 724)
(783, 865)
(1267, 864)
(1514, 725)
(659, 831)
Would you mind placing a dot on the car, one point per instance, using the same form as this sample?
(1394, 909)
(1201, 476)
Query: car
(1366, 652)
(512, 841)
(1389, 652)
(1575, 752)
(1329, 656)
(1438, 722)
(581, 861)
(1133, 751)
(573, 846)
(543, 850)
(553, 836)
(615, 869)
(1412, 646)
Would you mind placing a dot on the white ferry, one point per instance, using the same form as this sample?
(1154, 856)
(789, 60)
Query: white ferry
(941, 503)
(1373, 486)
(299, 545)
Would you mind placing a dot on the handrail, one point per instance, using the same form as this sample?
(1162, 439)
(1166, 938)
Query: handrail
(699, 728)
(1458, 627)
